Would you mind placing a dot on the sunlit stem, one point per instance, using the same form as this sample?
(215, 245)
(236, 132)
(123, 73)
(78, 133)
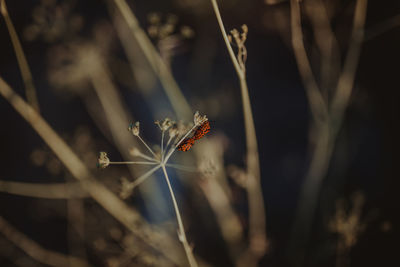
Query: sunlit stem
(151, 151)
(139, 180)
(162, 145)
(169, 141)
(181, 230)
(133, 162)
(140, 154)
(181, 167)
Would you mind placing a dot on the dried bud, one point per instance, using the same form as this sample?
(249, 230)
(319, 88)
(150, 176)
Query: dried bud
(154, 18)
(103, 161)
(126, 189)
(245, 29)
(165, 124)
(198, 119)
(134, 128)
(173, 131)
(187, 32)
(153, 31)
(135, 152)
(235, 33)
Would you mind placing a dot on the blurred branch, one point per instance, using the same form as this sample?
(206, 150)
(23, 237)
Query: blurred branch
(325, 130)
(327, 44)
(30, 89)
(257, 218)
(382, 27)
(76, 228)
(177, 99)
(108, 200)
(52, 191)
(317, 104)
(346, 80)
(34, 250)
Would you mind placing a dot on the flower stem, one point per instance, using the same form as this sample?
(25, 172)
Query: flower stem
(151, 151)
(181, 230)
(133, 162)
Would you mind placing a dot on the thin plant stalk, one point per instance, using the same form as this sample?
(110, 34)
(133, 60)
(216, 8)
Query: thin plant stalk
(49, 191)
(326, 126)
(129, 217)
(30, 89)
(256, 202)
(162, 145)
(76, 231)
(148, 148)
(35, 251)
(133, 162)
(174, 94)
(146, 175)
(181, 229)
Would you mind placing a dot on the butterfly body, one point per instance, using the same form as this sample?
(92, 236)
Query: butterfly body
(202, 130)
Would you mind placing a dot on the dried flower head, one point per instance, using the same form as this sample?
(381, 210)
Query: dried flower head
(240, 39)
(103, 161)
(165, 124)
(126, 188)
(173, 131)
(198, 119)
(134, 128)
(135, 152)
(187, 32)
(154, 18)
(347, 223)
(183, 128)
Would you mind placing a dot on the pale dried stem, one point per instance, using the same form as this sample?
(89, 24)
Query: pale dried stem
(141, 155)
(76, 230)
(318, 106)
(174, 94)
(382, 27)
(143, 177)
(30, 89)
(228, 220)
(346, 80)
(51, 191)
(162, 145)
(110, 202)
(133, 162)
(257, 216)
(34, 250)
(181, 229)
(148, 148)
(326, 42)
(235, 62)
(327, 129)
(182, 167)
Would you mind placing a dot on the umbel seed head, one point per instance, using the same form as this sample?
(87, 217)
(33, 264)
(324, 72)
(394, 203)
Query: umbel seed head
(103, 161)
(164, 124)
(134, 128)
(198, 119)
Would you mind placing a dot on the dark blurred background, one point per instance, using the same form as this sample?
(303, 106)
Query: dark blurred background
(364, 158)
